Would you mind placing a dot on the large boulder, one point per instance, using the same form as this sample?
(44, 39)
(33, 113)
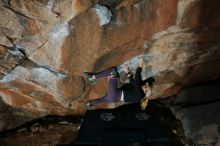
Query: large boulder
(197, 108)
(201, 123)
(46, 45)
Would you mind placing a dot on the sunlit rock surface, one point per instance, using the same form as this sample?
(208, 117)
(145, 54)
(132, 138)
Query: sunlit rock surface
(46, 45)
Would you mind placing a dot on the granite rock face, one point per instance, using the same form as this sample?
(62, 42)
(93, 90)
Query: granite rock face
(46, 45)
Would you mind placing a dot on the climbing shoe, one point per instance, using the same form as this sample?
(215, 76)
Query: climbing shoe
(89, 106)
(89, 76)
(114, 73)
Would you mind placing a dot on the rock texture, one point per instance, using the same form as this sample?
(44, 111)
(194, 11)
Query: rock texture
(197, 108)
(48, 135)
(46, 45)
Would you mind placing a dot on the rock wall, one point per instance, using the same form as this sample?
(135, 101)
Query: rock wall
(45, 46)
(196, 108)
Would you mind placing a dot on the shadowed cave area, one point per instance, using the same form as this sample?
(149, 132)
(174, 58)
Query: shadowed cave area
(46, 45)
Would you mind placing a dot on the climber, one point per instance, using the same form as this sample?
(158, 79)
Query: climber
(137, 90)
